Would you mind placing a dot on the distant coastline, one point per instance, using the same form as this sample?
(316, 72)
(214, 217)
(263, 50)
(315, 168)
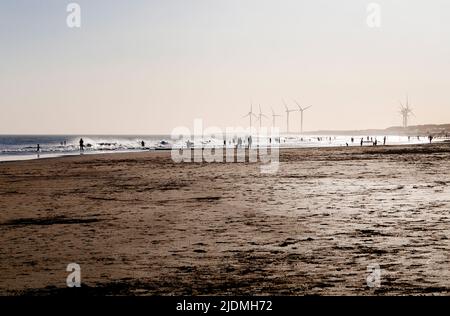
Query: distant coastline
(415, 130)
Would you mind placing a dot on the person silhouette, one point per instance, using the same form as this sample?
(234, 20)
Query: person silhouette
(81, 144)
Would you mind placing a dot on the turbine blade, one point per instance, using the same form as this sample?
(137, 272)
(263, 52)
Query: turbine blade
(285, 105)
(301, 109)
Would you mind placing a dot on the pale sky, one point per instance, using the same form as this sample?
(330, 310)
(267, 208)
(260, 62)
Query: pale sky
(147, 66)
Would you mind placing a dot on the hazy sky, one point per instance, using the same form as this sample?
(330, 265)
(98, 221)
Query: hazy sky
(148, 66)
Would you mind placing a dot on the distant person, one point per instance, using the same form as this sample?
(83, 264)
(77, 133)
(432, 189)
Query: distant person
(143, 144)
(362, 141)
(346, 144)
(81, 144)
(353, 140)
(38, 148)
(384, 141)
(430, 138)
(375, 142)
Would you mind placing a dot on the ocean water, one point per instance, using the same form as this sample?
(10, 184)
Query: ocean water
(21, 147)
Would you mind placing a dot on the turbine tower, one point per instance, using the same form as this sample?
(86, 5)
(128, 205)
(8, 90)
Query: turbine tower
(301, 115)
(260, 116)
(405, 111)
(287, 115)
(250, 115)
(273, 117)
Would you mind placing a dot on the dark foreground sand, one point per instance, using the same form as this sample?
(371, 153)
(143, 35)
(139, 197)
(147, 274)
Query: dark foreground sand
(141, 224)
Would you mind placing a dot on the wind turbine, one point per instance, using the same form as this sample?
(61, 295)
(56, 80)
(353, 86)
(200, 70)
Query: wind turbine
(260, 116)
(250, 115)
(301, 115)
(273, 117)
(405, 111)
(287, 115)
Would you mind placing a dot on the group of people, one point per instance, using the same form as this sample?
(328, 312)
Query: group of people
(371, 140)
(63, 143)
(239, 142)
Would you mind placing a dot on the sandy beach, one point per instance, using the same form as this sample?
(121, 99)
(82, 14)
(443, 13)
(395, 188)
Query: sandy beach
(140, 224)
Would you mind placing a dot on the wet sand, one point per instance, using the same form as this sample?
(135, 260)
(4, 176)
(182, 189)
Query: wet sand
(140, 224)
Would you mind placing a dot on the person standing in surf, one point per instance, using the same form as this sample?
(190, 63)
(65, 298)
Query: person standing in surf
(81, 144)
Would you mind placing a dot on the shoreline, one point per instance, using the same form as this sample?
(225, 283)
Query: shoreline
(281, 148)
